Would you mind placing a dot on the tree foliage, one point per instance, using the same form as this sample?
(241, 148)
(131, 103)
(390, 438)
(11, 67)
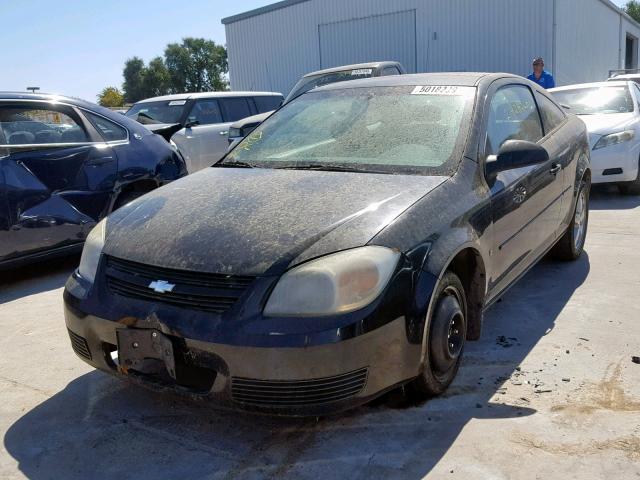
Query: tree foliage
(111, 97)
(632, 8)
(195, 65)
(133, 85)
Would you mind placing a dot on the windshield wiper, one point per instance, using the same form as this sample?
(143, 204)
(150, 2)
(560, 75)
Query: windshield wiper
(330, 168)
(234, 164)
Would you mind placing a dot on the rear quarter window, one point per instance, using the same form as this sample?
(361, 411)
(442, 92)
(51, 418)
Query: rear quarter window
(108, 130)
(552, 115)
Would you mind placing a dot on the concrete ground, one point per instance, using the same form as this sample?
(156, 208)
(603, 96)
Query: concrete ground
(549, 392)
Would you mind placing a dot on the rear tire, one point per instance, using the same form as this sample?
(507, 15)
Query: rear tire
(571, 245)
(447, 329)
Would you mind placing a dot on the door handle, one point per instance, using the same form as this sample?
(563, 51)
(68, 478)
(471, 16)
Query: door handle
(555, 169)
(224, 133)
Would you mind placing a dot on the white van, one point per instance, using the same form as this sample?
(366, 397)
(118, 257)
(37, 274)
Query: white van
(198, 123)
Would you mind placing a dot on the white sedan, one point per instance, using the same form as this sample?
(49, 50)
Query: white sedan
(611, 111)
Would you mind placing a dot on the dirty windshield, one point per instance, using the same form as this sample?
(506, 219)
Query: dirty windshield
(596, 100)
(405, 129)
(168, 111)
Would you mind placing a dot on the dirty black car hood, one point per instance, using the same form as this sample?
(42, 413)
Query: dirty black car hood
(259, 221)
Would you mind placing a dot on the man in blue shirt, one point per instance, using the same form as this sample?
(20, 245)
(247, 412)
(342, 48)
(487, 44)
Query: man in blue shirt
(540, 75)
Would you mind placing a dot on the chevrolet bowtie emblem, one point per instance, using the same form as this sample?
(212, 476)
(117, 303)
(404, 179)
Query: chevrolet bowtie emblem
(161, 286)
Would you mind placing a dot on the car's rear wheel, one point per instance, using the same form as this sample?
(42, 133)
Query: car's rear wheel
(447, 329)
(571, 245)
(631, 188)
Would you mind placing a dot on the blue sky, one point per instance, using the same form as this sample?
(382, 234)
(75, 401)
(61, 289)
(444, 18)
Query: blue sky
(77, 47)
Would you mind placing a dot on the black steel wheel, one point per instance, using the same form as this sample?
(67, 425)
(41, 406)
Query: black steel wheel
(446, 333)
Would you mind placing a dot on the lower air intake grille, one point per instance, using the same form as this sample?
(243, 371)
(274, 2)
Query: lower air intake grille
(79, 345)
(295, 393)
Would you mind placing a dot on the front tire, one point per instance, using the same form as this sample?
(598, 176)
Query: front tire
(447, 330)
(571, 245)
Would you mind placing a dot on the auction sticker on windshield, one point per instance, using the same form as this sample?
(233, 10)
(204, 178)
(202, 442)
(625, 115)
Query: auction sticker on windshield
(175, 103)
(362, 71)
(443, 90)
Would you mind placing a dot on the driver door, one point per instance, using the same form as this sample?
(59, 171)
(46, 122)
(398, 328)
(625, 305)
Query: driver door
(525, 201)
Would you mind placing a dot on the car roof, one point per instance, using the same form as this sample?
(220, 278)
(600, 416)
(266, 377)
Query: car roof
(190, 96)
(355, 66)
(461, 79)
(612, 83)
(624, 76)
(45, 97)
(118, 118)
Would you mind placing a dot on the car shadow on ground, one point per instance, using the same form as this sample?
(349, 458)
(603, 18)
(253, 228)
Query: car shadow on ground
(99, 427)
(36, 278)
(608, 197)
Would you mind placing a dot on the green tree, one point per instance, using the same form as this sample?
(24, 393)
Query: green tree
(111, 97)
(632, 8)
(196, 65)
(133, 86)
(156, 78)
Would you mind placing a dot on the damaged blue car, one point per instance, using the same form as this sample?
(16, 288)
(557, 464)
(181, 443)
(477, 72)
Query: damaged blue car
(64, 165)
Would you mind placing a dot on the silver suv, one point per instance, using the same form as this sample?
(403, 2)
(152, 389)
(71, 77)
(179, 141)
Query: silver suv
(198, 123)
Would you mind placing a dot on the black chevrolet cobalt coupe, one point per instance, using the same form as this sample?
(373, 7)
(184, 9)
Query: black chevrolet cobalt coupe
(347, 246)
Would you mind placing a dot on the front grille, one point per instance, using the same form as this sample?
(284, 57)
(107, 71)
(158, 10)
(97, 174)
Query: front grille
(79, 345)
(297, 393)
(208, 292)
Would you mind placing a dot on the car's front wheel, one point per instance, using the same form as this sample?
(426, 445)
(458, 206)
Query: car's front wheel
(447, 329)
(571, 245)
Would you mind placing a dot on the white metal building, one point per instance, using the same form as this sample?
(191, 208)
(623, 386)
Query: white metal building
(581, 40)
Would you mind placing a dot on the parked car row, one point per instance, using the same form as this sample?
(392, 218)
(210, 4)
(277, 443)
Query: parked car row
(348, 245)
(347, 242)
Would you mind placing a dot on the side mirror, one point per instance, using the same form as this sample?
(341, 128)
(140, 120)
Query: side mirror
(191, 122)
(515, 154)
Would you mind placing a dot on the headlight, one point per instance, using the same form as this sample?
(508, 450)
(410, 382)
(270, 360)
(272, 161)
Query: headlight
(339, 283)
(92, 251)
(235, 132)
(614, 139)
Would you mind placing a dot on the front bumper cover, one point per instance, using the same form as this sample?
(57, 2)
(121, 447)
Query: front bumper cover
(313, 380)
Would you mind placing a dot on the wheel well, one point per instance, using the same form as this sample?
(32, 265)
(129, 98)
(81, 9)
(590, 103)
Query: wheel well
(469, 267)
(139, 186)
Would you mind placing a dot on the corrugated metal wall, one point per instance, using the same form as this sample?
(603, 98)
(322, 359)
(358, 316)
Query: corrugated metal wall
(271, 51)
(590, 41)
(377, 37)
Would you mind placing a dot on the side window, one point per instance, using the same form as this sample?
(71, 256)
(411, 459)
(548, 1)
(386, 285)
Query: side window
(552, 115)
(206, 112)
(513, 116)
(109, 130)
(235, 108)
(390, 71)
(266, 104)
(26, 125)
